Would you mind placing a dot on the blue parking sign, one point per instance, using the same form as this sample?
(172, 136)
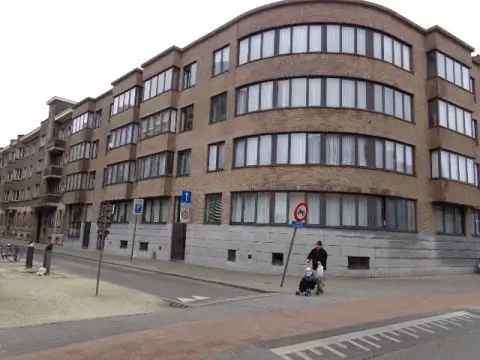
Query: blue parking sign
(186, 197)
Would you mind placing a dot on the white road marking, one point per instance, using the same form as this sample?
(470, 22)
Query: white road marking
(316, 352)
(409, 333)
(342, 355)
(358, 345)
(390, 338)
(439, 325)
(370, 343)
(192, 299)
(390, 332)
(303, 356)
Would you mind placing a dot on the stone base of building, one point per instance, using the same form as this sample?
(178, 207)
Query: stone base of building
(264, 250)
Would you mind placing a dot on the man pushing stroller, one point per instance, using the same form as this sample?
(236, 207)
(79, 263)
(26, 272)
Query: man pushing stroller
(314, 276)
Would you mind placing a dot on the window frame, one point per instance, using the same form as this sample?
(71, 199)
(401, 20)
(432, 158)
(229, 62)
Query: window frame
(220, 147)
(180, 163)
(223, 95)
(223, 50)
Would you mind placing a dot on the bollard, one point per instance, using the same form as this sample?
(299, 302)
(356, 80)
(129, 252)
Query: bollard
(47, 258)
(30, 252)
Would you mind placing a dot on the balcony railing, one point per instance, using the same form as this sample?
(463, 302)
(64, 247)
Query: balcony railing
(56, 145)
(52, 171)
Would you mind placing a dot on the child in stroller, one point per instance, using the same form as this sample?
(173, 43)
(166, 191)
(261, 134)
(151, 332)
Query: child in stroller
(308, 283)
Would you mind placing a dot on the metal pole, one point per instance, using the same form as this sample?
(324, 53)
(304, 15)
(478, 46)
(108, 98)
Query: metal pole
(133, 238)
(288, 256)
(100, 259)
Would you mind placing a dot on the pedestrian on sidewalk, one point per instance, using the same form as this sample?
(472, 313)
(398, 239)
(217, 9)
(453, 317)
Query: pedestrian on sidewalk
(318, 256)
(47, 258)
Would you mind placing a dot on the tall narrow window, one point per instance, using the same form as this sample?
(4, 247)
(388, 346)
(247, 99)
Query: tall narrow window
(186, 118)
(221, 60)
(190, 75)
(213, 209)
(218, 108)
(216, 156)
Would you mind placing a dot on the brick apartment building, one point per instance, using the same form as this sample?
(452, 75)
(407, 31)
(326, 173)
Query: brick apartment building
(346, 105)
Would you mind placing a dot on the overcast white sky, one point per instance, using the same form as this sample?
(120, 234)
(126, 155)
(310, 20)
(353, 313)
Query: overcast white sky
(75, 49)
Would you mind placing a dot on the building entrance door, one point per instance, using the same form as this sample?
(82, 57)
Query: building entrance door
(86, 235)
(179, 234)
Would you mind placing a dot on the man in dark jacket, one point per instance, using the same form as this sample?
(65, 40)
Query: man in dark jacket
(316, 256)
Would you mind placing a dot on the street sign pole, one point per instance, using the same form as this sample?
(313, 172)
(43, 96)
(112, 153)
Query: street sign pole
(288, 256)
(133, 238)
(100, 260)
(300, 214)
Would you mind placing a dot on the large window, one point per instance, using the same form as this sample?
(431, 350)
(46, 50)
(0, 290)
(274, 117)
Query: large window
(221, 60)
(213, 209)
(154, 166)
(84, 150)
(84, 121)
(123, 136)
(216, 157)
(161, 83)
(183, 162)
(476, 222)
(324, 149)
(186, 118)
(452, 166)
(156, 211)
(125, 101)
(119, 173)
(450, 219)
(329, 38)
(325, 210)
(121, 212)
(324, 92)
(80, 181)
(218, 108)
(189, 76)
(450, 116)
(160, 123)
(449, 69)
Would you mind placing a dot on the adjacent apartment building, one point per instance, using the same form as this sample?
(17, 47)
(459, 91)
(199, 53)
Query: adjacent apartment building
(345, 105)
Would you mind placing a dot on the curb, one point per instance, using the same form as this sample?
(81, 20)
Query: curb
(151, 270)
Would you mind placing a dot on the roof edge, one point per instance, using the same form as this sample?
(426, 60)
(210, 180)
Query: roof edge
(439, 29)
(162, 54)
(123, 77)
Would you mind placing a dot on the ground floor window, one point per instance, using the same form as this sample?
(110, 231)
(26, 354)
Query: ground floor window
(325, 210)
(213, 209)
(121, 211)
(156, 211)
(450, 219)
(476, 223)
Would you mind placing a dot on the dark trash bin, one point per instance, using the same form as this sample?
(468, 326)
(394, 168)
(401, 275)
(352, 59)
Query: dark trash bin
(30, 254)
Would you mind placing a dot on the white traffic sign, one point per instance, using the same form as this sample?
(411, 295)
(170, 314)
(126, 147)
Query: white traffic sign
(185, 215)
(300, 213)
(138, 206)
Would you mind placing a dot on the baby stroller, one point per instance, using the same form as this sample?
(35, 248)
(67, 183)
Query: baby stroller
(308, 283)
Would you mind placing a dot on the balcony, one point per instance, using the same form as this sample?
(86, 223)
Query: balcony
(56, 146)
(52, 172)
(47, 199)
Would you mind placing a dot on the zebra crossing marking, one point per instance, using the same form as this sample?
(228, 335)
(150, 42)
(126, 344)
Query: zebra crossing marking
(368, 340)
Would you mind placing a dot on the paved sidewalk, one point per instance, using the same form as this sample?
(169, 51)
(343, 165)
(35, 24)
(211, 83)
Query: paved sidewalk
(346, 289)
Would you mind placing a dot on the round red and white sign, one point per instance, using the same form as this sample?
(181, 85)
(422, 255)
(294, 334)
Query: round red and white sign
(301, 212)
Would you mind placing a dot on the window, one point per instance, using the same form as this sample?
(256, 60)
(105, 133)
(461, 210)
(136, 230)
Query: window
(452, 117)
(143, 246)
(123, 136)
(331, 38)
(121, 212)
(450, 219)
(154, 166)
(123, 244)
(213, 209)
(326, 210)
(277, 259)
(189, 76)
(160, 123)
(302, 148)
(449, 69)
(156, 211)
(218, 108)
(119, 173)
(84, 121)
(84, 150)
(216, 156)
(161, 83)
(80, 181)
(339, 92)
(125, 101)
(186, 119)
(451, 166)
(221, 61)
(183, 162)
(358, 263)
(231, 255)
(476, 222)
